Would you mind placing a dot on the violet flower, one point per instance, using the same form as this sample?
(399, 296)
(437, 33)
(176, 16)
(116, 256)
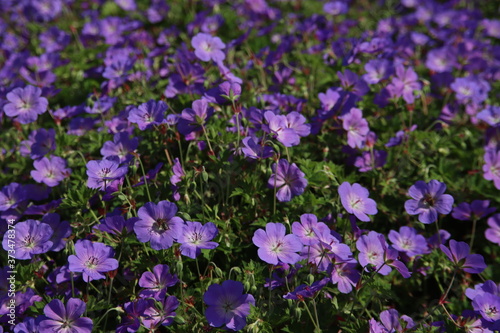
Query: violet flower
(30, 237)
(176, 178)
(121, 146)
(254, 150)
(476, 210)
(428, 200)
(305, 291)
(192, 119)
(493, 232)
(371, 249)
(25, 104)
(208, 48)
(195, 237)
(158, 224)
(92, 259)
(227, 305)
(356, 127)
(491, 168)
(157, 282)
(287, 179)
(148, 114)
(102, 172)
(405, 83)
(50, 171)
(355, 200)
(407, 240)
(275, 247)
(458, 253)
(488, 305)
(63, 319)
(278, 127)
(160, 313)
(345, 275)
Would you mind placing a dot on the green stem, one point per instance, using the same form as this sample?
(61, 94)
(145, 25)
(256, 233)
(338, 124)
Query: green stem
(206, 136)
(145, 180)
(316, 328)
(474, 222)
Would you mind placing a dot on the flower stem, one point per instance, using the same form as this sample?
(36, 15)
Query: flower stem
(474, 222)
(145, 180)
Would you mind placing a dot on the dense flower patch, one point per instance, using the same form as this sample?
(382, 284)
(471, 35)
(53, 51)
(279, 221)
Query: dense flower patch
(253, 165)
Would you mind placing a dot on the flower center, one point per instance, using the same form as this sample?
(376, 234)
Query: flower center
(29, 242)
(161, 224)
(428, 200)
(276, 248)
(92, 262)
(491, 311)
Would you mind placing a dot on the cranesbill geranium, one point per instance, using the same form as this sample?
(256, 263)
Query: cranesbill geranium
(493, 232)
(288, 180)
(92, 259)
(64, 319)
(156, 282)
(25, 104)
(193, 119)
(428, 200)
(148, 114)
(102, 173)
(491, 168)
(208, 48)
(407, 240)
(458, 253)
(355, 200)
(227, 305)
(356, 127)
(372, 252)
(50, 171)
(30, 237)
(196, 236)
(275, 247)
(158, 224)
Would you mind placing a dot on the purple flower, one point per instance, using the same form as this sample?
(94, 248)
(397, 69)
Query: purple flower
(470, 89)
(275, 247)
(458, 253)
(355, 200)
(278, 126)
(176, 178)
(488, 306)
(12, 196)
(160, 313)
(491, 168)
(102, 172)
(305, 291)
(156, 282)
(493, 232)
(405, 83)
(192, 119)
(62, 230)
(50, 171)
(356, 127)
(391, 322)
(196, 236)
(148, 114)
(476, 210)
(428, 200)
(27, 239)
(63, 319)
(132, 321)
(92, 259)
(372, 252)
(121, 146)
(345, 275)
(208, 48)
(377, 70)
(288, 180)
(255, 150)
(117, 225)
(227, 305)
(305, 230)
(490, 115)
(25, 104)
(158, 224)
(407, 240)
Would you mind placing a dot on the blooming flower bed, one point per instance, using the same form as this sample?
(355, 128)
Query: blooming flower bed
(249, 165)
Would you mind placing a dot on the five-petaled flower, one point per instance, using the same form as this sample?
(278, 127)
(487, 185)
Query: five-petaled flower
(428, 200)
(92, 259)
(355, 200)
(275, 247)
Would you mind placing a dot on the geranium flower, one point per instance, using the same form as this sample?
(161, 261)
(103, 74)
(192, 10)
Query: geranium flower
(156, 282)
(102, 173)
(92, 259)
(158, 224)
(25, 104)
(428, 200)
(50, 171)
(148, 114)
(196, 236)
(355, 200)
(63, 319)
(356, 127)
(275, 247)
(458, 253)
(288, 179)
(30, 237)
(493, 232)
(227, 305)
(208, 48)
